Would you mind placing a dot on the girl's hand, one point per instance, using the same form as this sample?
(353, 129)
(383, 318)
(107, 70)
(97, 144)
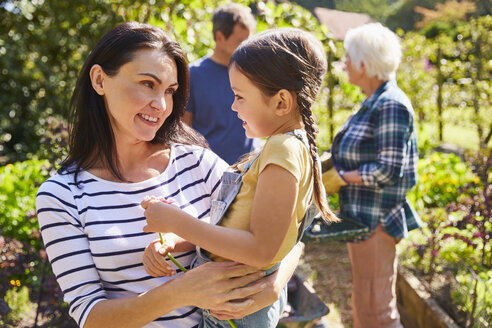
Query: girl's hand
(154, 259)
(158, 213)
(153, 199)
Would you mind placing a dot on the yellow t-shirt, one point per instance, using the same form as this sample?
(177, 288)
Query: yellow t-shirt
(290, 153)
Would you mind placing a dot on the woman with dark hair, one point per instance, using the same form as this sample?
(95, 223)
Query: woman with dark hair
(127, 141)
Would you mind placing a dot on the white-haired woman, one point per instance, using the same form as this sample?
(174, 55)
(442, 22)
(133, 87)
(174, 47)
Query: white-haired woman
(375, 164)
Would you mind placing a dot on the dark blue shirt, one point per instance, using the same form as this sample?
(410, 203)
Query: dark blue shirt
(210, 103)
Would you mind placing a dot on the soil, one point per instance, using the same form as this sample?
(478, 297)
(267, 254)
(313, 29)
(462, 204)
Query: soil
(327, 267)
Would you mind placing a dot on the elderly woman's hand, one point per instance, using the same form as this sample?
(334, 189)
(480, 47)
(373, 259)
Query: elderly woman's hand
(332, 181)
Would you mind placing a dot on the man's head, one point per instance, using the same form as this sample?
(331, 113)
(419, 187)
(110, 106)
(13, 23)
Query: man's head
(232, 24)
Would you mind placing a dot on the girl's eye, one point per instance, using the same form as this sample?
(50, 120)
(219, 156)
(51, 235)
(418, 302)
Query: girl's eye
(238, 97)
(171, 91)
(148, 84)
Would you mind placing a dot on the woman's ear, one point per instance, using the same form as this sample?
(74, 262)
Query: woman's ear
(362, 67)
(285, 102)
(97, 79)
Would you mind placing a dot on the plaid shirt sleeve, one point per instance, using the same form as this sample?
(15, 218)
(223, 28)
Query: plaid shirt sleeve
(391, 135)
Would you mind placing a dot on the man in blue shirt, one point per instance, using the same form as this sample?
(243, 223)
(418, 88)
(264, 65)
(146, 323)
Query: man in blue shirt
(209, 108)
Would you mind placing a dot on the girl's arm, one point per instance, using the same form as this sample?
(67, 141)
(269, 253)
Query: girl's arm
(273, 207)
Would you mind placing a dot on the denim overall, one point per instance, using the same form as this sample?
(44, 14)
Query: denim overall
(231, 182)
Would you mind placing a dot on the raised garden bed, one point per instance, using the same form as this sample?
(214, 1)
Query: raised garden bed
(417, 307)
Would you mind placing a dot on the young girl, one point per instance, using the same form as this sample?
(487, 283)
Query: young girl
(259, 214)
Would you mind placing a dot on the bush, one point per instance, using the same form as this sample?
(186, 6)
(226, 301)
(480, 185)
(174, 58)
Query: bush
(18, 301)
(18, 186)
(440, 177)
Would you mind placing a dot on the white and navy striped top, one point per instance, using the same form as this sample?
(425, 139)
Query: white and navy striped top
(93, 232)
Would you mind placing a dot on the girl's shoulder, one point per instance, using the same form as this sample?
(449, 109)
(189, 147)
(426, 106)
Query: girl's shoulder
(284, 141)
(286, 147)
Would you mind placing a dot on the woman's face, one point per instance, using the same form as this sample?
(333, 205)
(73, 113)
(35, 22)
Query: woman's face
(355, 75)
(140, 97)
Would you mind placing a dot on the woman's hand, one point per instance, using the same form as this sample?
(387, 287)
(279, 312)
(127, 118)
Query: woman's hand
(220, 286)
(332, 181)
(275, 283)
(267, 296)
(154, 259)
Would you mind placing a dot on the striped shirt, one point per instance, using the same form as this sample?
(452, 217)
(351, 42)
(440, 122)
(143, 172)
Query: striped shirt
(380, 142)
(93, 232)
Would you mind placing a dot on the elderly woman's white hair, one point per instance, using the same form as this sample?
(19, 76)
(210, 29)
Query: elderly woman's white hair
(377, 47)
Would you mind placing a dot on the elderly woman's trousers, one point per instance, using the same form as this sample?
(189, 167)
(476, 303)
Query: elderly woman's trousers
(374, 268)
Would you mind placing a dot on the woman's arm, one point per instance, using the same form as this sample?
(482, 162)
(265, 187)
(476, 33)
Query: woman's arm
(273, 206)
(393, 126)
(211, 285)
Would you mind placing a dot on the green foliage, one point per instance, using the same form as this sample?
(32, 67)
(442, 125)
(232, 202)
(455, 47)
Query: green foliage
(480, 309)
(47, 42)
(18, 187)
(455, 239)
(377, 9)
(18, 301)
(440, 176)
(403, 16)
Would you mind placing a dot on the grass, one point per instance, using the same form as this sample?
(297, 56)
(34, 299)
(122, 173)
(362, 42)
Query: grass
(458, 128)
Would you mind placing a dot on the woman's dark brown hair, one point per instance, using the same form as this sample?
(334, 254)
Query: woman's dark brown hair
(293, 60)
(91, 136)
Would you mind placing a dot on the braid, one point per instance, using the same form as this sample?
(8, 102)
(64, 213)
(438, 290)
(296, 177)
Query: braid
(293, 60)
(312, 131)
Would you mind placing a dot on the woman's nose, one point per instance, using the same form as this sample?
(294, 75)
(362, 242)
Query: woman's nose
(159, 103)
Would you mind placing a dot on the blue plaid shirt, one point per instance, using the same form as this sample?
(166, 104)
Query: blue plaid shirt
(380, 142)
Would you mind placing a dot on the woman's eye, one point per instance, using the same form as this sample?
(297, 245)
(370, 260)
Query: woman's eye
(148, 84)
(171, 91)
(238, 97)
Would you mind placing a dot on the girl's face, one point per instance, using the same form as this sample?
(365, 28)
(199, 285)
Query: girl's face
(255, 109)
(140, 97)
